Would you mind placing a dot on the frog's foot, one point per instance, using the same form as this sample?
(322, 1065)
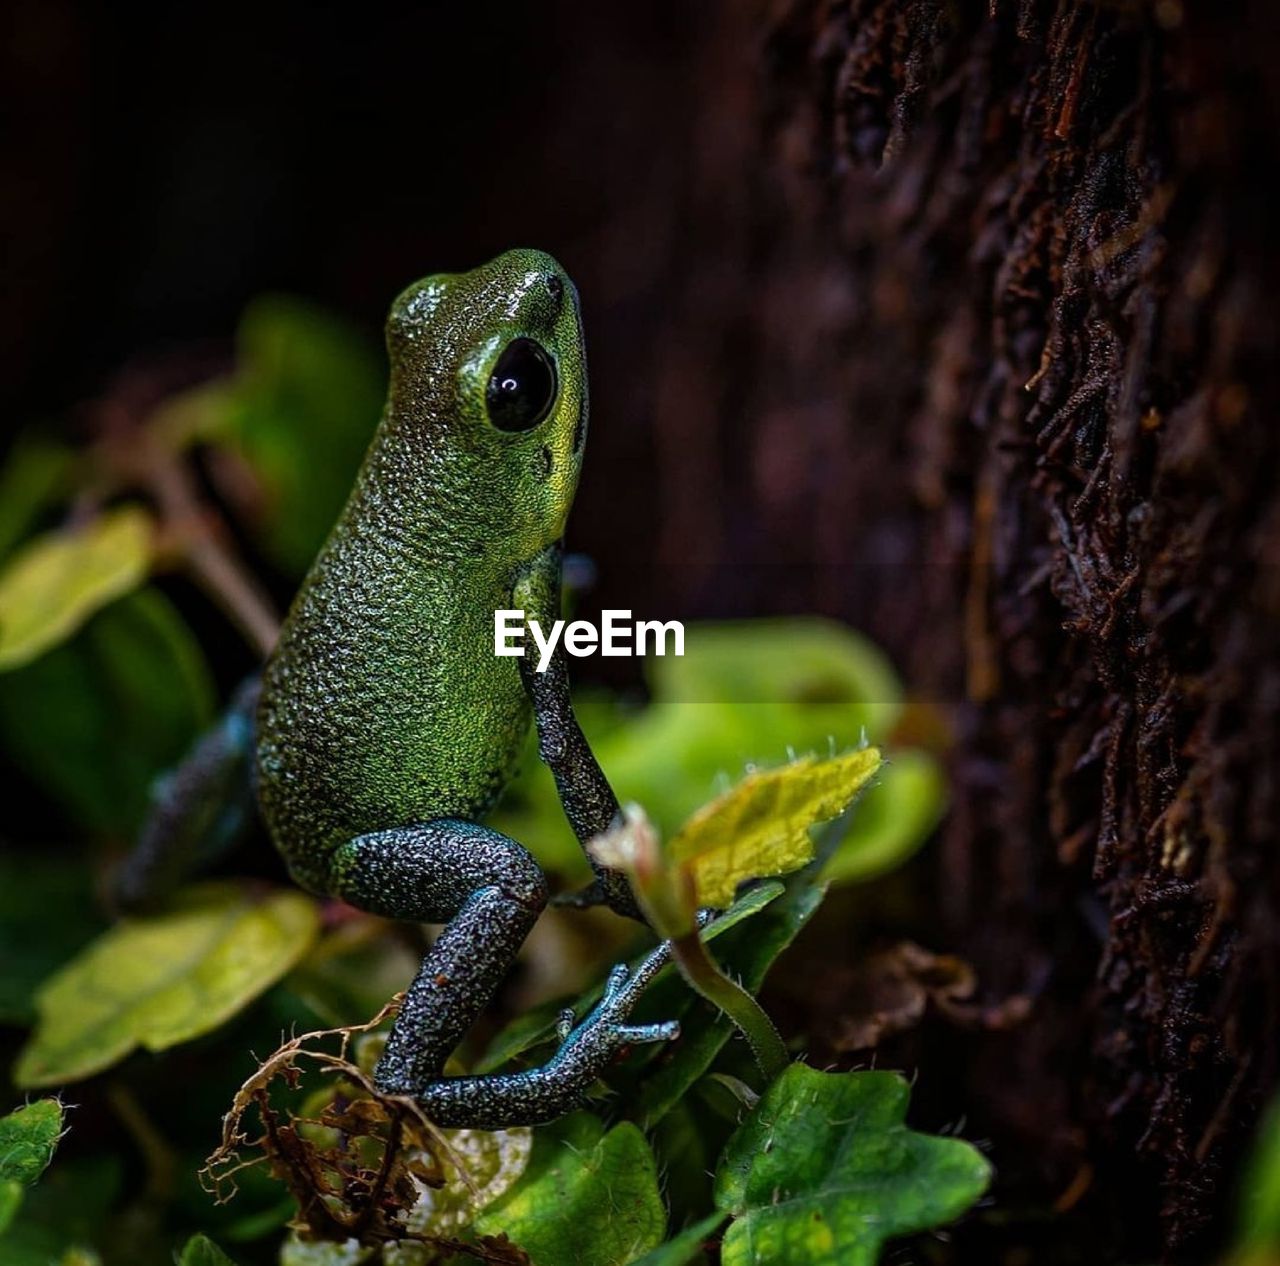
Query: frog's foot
(605, 1024)
(561, 1084)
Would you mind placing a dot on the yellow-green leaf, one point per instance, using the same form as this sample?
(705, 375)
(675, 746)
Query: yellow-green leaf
(761, 826)
(53, 585)
(894, 818)
(165, 978)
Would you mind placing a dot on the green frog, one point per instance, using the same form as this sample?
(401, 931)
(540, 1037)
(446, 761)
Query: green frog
(384, 727)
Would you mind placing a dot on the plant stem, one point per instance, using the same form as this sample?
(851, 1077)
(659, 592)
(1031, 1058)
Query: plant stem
(211, 564)
(703, 975)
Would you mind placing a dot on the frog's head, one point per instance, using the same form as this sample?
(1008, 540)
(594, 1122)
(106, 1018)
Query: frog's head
(488, 379)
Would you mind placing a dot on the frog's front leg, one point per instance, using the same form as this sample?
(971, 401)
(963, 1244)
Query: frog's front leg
(585, 794)
(489, 892)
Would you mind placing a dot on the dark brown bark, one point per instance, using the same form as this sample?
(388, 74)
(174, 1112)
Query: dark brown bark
(973, 332)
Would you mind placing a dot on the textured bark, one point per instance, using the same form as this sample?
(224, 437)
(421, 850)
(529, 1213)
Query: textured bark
(975, 338)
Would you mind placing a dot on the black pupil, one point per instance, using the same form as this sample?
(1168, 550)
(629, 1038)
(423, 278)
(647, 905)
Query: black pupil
(522, 386)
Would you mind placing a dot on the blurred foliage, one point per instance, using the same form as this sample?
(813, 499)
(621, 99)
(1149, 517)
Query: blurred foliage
(36, 474)
(1257, 1240)
(114, 560)
(98, 718)
(301, 410)
(47, 912)
(298, 411)
(200, 1250)
(746, 694)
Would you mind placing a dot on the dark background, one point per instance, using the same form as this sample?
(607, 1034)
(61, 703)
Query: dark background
(955, 324)
(166, 165)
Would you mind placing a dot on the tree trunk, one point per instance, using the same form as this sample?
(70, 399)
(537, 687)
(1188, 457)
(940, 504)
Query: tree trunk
(969, 340)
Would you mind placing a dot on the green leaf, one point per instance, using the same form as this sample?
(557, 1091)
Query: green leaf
(761, 827)
(200, 1250)
(685, 1248)
(895, 816)
(32, 478)
(164, 979)
(56, 582)
(28, 1136)
(825, 1170)
(587, 1197)
(96, 719)
(301, 411)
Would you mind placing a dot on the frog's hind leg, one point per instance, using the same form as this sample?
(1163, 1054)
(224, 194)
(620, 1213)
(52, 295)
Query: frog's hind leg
(489, 891)
(199, 810)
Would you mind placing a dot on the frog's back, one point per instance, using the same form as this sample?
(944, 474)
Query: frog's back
(383, 703)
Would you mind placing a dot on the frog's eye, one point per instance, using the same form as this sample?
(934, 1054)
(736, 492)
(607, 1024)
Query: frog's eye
(522, 387)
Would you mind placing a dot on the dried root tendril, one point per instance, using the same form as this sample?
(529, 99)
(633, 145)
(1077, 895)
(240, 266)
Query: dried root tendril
(357, 1165)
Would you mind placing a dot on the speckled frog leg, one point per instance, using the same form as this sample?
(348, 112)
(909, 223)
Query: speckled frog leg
(561, 1084)
(585, 794)
(198, 811)
(489, 891)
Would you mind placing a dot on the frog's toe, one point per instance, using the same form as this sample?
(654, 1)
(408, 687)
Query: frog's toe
(619, 974)
(564, 1023)
(635, 1034)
